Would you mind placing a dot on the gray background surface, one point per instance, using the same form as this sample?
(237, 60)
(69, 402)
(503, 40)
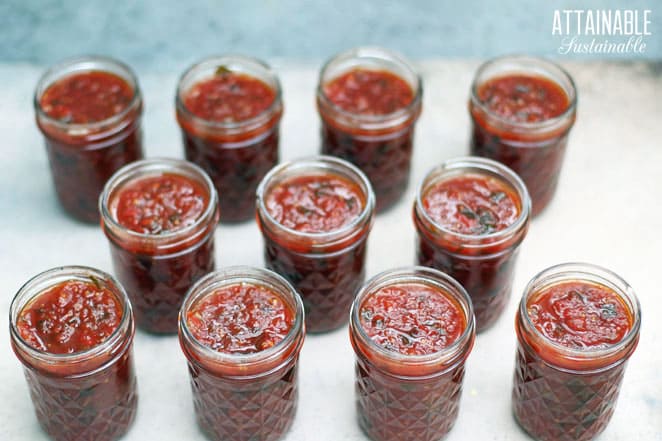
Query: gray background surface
(170, 34)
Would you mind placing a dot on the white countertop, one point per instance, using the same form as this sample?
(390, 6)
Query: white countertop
(607, 211)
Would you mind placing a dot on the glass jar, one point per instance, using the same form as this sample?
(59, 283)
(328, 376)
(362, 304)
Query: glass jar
(158, 269)
(409, 397)
(86, 395)
(326, 268)
(380, 145)
(83, 156)
(483, 264)
(235, 154)
(561, 393)
(244, 397)
(534, 150)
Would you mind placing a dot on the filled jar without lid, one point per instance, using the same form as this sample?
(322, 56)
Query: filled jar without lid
(522, 110)
(89, 111)
(159, 216)
(471, 214)
(229, 109)
(315, 215)
(412, 330)
(72, 328)
(241, 330)
(369, 100)
(577, 326)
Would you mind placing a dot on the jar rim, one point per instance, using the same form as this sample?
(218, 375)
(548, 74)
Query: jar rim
(321, 163)
(245, 64)
(374, 53)
(37, 284)
(146, 167)
(87, 63)
(587, 272)
(231, 275)
(543, 67)
(427, 276)
(486, 166)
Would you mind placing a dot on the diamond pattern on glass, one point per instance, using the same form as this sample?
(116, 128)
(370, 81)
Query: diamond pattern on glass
(559, 406)
(487, 279)
(244, 410)
(327, 282)
(392, 409)
(385, 159)
(157, 285)
(98, 407)
(236, 167)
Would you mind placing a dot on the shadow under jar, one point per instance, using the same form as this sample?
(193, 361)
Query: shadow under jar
(369, 100)
(89, 111)
(159, 216)
(241, 330)
(471, 214)
(577, 326)
(315, 215)
(522, 110)
(229, 109)
(72, 329)
(412, 330)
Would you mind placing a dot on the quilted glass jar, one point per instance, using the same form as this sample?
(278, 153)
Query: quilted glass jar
(533, 147)
(84, 154)
(563, 393)
(238, 148)
(326, 267)
(379, 140)
(158, 267)
(89, 395)
(250, 396)
(402, 397)
(483, 263)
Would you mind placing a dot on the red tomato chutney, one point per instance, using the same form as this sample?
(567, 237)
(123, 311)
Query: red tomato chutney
(89, 111)
(470, 216)
(472, 204)
(160, 204)
(229, 110)
(412, 330)
(70, 317)
(315, 216)
(229, 97)
(412, 319)
(315, 203)
(86, 97)
(577, 326)
(72, 329)
(580, 315)
(368, 113)
(524, 98)
(159, 216)
(240, 319)
(241, 330)
(522, 119)
(369, 92)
